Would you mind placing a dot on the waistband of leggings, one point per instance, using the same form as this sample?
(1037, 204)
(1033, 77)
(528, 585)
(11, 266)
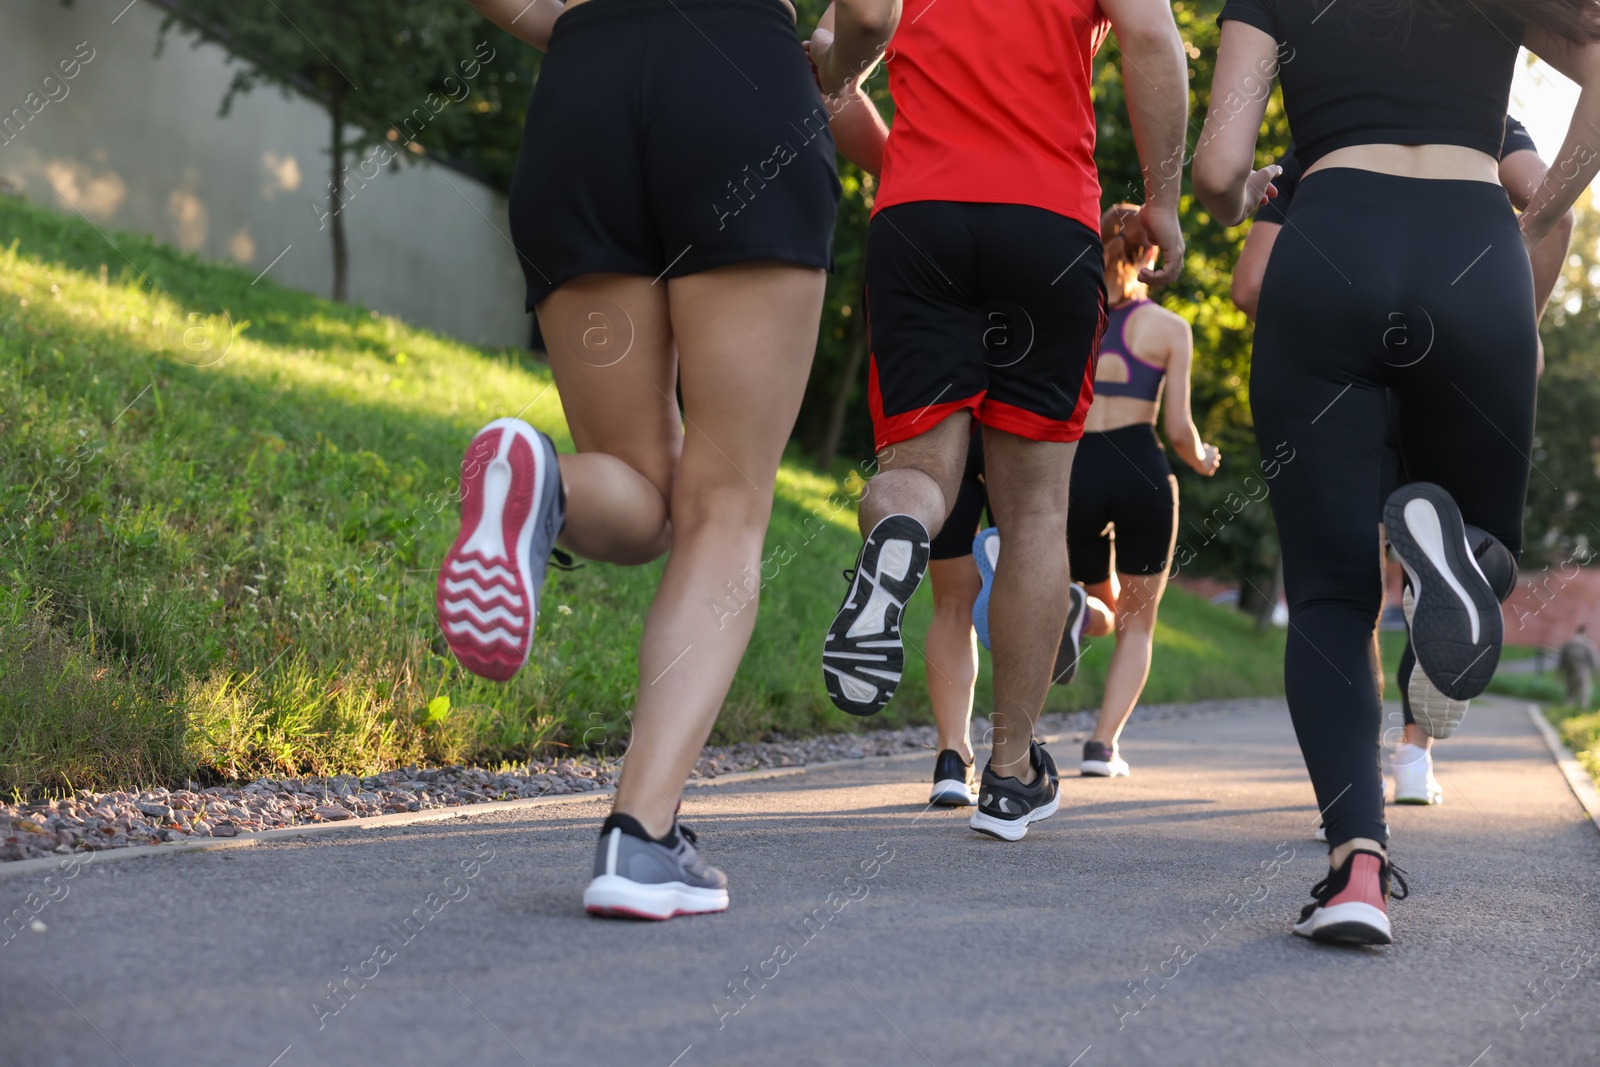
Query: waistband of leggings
(1396, 188)
(596, 13)
(1133, 433)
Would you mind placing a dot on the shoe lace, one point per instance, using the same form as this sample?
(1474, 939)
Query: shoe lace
(1398, 877)
(563, 561)
(1323, 891)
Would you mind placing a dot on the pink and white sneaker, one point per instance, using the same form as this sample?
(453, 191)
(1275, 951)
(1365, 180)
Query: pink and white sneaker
(1352, 903)
(512, 509)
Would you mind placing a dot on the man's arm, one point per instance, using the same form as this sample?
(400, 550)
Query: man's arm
(526, 20)
(862, 29)
(1252, 265)
(859, 132)
(1155, 81)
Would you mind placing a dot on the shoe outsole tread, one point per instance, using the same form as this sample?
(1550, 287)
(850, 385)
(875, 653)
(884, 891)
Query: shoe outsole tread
(1459, 665)
(485, 595)
(876, 662)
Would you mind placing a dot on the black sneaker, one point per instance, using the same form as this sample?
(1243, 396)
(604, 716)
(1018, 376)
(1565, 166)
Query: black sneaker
(1102, 761)
(1072, 642)
(1352, 903)
(952, 781)
(1006, 806)
(863, 657)
(1453, 614)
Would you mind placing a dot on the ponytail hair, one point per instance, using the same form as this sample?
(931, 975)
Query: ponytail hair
(1127, 251)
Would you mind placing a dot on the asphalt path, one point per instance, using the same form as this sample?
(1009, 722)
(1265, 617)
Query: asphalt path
(1147, 923)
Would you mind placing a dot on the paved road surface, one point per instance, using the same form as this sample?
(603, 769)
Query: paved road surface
(958, 950)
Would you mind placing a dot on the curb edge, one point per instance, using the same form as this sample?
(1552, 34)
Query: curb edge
(1578, 779)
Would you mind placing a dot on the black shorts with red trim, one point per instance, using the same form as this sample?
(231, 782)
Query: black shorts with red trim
(993, 308)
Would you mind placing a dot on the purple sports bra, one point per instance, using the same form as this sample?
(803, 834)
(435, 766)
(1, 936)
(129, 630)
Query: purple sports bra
(1144, 379)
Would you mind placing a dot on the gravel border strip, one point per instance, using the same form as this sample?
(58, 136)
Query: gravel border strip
(166, 822)
(403, 818)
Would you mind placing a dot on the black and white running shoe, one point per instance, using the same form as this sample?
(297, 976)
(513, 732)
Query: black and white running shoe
(1102, 761)
(1430, 709)
(1072, 642)
(1453, 614)
(952, 781)
(1006, 806)
(863, 658)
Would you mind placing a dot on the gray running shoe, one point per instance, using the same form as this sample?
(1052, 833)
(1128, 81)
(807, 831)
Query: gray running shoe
(1073, 642)
(639, 879)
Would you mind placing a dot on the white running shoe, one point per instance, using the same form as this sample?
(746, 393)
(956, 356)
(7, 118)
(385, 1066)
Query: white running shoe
(1414, 782)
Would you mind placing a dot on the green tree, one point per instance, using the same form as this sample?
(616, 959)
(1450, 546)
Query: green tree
(1563, 514)
(397, 77)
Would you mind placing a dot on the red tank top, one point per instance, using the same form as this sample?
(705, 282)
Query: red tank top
(992, 105)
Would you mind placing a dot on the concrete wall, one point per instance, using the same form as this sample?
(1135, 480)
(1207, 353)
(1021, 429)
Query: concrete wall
(135, 144)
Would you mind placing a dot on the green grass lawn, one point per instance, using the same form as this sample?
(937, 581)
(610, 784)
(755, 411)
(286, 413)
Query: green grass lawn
(223, 504)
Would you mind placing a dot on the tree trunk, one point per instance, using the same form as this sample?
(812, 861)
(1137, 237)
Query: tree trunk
(341, 251)
(834, 431)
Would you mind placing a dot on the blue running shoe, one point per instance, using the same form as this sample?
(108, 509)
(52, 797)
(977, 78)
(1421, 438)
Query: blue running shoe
(986, 553)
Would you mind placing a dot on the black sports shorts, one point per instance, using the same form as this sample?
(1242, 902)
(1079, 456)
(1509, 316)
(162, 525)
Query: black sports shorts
(996, 308)
(1123, 494)
(668, 137)
(954, 538)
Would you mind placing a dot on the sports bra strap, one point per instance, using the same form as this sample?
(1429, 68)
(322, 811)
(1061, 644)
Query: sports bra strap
(1144, 379)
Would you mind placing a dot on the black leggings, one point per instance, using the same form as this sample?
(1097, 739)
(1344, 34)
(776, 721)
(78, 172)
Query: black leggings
(1377, 282)
(1123, 494)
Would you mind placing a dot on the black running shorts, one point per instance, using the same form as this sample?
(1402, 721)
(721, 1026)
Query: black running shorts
(668, 137)
(954, 538)
(1123, 494)
(995, 308)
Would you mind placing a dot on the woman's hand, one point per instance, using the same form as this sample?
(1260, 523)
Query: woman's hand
(1207, 461)
(1259, 188)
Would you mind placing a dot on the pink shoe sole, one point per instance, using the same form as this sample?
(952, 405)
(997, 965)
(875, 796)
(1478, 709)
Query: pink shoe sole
(485, 602)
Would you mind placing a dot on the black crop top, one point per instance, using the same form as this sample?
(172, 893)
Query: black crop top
(1378, 72)
(1518, 139)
